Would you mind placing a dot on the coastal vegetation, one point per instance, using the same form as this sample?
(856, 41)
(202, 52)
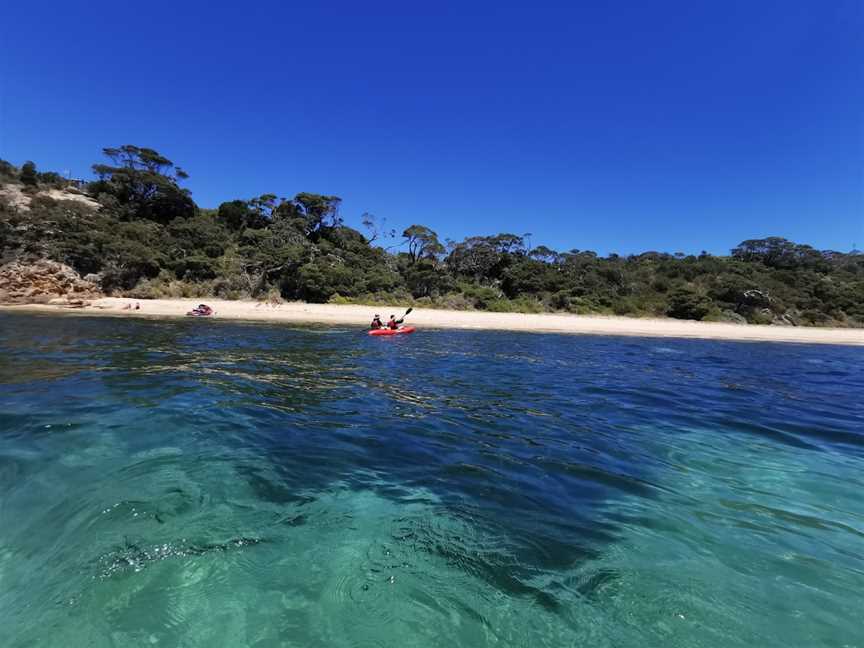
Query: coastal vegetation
(134, 230)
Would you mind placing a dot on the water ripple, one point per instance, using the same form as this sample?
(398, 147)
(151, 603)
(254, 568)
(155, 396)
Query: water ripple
(225, 484)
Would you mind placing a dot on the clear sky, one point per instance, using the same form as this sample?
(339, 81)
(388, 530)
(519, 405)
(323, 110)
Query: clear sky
(618, 126)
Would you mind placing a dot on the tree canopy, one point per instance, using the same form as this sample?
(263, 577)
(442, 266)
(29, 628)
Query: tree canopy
(144, 184)
(28, 174)
(422, 243)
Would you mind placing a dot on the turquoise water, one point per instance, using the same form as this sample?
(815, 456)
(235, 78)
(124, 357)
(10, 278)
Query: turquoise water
(214, 484)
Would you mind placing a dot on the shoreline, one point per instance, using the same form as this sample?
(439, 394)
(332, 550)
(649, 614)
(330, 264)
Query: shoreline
(359, 316)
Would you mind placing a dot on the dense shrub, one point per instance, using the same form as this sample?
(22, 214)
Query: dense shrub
(685, 303)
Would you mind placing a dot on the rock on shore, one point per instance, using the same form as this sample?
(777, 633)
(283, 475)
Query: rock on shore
(42, 282)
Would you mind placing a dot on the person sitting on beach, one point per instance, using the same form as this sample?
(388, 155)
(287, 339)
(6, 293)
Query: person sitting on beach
(376, 322)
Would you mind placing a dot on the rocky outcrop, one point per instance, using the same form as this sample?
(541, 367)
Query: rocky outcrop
(17, 197)
(42, 282)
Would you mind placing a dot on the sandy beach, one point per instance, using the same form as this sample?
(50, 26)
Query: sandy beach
(359, 316)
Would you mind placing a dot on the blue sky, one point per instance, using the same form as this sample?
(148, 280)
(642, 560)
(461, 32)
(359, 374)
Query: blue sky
(618, 126)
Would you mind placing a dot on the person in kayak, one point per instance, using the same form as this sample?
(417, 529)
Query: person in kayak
(393, 324)
(376, 323)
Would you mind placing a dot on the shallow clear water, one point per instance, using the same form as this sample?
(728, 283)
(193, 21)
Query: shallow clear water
(213, 484)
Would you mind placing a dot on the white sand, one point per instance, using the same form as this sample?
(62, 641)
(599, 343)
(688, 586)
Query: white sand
(360, 316)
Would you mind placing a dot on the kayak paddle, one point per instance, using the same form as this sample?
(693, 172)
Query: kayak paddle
(402, 319)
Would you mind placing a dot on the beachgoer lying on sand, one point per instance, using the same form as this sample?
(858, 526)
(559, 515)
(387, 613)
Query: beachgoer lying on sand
(202, 310)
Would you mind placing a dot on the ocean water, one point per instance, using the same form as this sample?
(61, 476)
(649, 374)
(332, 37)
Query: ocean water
(205, 483)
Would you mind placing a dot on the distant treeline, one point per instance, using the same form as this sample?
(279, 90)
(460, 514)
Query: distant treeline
(150, 239)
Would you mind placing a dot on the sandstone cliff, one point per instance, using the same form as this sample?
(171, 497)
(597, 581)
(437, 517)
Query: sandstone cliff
(43, 281)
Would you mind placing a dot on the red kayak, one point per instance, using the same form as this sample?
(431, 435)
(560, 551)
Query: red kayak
(386, 331)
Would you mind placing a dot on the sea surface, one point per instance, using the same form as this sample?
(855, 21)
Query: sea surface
(203, 483)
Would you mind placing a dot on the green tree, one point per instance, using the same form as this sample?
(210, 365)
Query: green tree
(531, 277)
(686, 303)
(145, 183)
(544, 254)
(193, 245)
(28, 174)
(235, 215)
(311, 213)
(422, 243)
(426, 278)
(50, 178)
(777, 252)
(321, 278)
(486, 258)
(269, 254)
